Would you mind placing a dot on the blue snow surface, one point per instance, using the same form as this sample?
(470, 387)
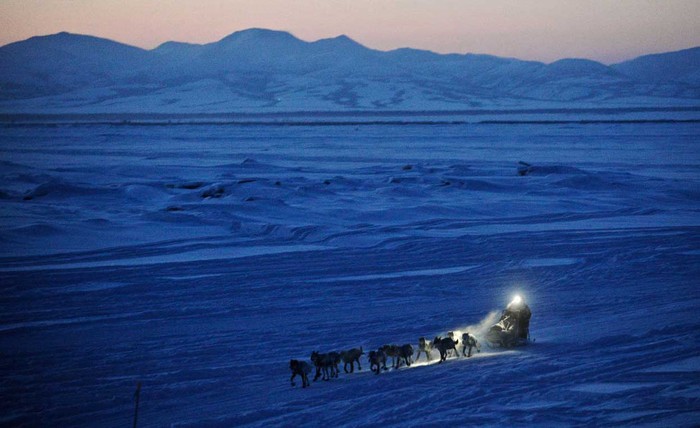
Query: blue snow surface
(199, 259)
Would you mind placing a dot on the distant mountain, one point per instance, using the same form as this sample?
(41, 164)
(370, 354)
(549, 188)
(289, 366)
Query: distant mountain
(62, 62)
(265, 70)
(680, 66)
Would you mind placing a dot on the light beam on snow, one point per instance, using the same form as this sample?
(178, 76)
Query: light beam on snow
(477, 330)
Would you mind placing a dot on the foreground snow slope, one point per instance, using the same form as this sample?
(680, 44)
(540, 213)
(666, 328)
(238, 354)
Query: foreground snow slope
(199, 259)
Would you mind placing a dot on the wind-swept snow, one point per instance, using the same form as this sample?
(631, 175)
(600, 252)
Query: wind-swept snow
(199, 259)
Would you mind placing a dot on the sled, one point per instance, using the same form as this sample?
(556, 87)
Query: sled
(512, 329)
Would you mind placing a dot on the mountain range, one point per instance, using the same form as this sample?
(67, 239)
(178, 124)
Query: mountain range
(260, 70)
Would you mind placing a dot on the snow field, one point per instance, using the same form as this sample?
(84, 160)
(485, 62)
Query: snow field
(199, 259)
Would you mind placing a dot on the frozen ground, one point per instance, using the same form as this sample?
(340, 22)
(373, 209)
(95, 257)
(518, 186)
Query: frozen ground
(198, 259)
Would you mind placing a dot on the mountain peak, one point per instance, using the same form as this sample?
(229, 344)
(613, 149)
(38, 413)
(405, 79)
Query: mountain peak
(340, 42)
(259, 35)
(65, 36)
(679, 66)
(343, 39)
(693, 52)
(65, 41)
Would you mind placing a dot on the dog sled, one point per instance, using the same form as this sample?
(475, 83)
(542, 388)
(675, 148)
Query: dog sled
(513, 328)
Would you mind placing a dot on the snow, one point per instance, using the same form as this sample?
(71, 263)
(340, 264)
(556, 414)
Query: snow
(550, 262)
(610, 388)
(403, 274)
(185, 256)
(198, 259)
(685, 365)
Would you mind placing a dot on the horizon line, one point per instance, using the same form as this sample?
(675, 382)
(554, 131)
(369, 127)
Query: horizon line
(336, 37)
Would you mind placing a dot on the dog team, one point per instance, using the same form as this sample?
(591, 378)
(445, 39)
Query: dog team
(327, 364)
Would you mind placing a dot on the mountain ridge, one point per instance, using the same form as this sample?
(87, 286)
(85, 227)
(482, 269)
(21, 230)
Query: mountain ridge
(261, 69)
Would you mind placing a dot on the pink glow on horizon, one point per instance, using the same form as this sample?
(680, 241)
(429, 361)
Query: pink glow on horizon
(543, 30)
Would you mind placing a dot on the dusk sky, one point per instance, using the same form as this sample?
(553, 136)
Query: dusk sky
(545, 30)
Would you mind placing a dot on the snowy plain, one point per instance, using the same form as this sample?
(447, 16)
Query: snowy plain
(199, 258)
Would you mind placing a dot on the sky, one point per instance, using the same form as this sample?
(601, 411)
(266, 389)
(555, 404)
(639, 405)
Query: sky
(544, 30)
